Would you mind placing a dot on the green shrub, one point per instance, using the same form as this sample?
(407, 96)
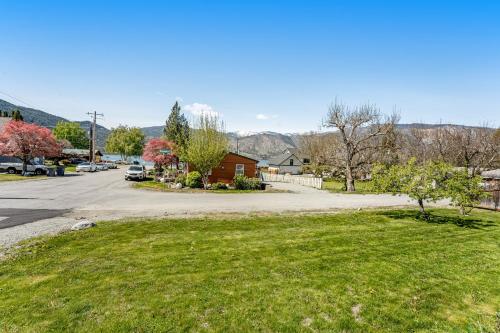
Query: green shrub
(219, 186)
(254, 183)
(244, 183)
(193, 180)
(181, 179)
(240, 182)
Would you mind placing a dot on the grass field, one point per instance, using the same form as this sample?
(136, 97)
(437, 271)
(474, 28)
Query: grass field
(337, 186)
(373, 271)
(4, 177)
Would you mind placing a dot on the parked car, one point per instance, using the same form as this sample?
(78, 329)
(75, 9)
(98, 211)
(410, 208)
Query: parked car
(14, 167)
(111, 165)
(77, 161)
(101, 167)
(86, 167)
(137, 172)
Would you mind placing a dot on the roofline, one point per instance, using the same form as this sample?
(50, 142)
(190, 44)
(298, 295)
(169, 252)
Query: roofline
(287, 159)
(253, 159)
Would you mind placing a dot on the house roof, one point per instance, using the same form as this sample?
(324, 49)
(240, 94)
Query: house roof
(82, 152)
(240, 155)
(279, 159)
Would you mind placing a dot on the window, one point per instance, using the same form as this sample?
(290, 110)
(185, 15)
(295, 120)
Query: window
(306, 161)
(291, 162)
(240, 170)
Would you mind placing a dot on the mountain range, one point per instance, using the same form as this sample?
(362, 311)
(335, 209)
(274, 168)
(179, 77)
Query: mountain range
(261, 145)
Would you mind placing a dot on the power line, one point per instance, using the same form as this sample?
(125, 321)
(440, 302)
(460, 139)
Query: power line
(17, 99)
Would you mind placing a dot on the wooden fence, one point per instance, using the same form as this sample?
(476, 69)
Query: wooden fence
(315, 182)
(493, 202)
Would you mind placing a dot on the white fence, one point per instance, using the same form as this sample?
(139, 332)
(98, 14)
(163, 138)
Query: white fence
(315, 182)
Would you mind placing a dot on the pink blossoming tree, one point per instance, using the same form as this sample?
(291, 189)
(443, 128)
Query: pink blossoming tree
(27, 141)
(159, 151)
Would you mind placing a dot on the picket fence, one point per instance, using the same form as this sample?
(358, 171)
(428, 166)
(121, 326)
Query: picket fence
(315, 182)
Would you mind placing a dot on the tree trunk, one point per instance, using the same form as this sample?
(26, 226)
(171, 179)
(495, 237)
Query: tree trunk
(349, 180)
(25, 168)
(422, 209)
(205, 181)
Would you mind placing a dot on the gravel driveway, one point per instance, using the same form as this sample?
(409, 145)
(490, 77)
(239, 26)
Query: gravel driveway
(106, 195)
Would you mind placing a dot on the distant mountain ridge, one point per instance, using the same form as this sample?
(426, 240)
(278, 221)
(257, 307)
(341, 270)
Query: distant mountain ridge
(259, 145)
(48, 120)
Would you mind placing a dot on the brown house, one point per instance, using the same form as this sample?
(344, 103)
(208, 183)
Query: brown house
(233, 164)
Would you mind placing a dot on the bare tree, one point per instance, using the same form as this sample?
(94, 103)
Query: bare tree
(471, 147)
(363, 134)
(318, 148)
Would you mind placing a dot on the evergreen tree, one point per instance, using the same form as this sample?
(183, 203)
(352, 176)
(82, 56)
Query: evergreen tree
(177, 128)
(16, 115)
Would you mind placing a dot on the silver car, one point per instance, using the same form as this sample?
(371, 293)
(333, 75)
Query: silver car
(101, 167)
(137, 172)
(86, 167)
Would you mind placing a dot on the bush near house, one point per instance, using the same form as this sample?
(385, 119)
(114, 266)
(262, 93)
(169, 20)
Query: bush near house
(245, 183)
(219, 186)
(193, 180)
(181, 179)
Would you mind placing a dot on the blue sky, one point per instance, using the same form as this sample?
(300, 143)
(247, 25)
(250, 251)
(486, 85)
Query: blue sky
(262, 65)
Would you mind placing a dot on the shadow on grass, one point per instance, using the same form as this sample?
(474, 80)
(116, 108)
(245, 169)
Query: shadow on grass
(440, 218)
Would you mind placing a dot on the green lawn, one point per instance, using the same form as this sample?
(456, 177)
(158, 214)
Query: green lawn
(4, 177)
(70, 168)
(377, 271)
(337, 186)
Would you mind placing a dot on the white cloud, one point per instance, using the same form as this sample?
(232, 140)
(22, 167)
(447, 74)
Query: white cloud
(262, 116)
(198, 109)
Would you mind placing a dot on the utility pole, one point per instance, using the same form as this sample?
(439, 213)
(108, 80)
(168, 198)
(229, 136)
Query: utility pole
(94, 116)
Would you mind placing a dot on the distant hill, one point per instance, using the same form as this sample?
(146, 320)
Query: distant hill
(45, 119)
(153, 131)
(260, 145)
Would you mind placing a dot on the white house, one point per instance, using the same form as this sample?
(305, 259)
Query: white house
(290, 161)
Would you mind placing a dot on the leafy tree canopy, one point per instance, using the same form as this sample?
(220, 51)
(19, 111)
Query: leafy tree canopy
(126, 141)
(207, 146)
(72, 132)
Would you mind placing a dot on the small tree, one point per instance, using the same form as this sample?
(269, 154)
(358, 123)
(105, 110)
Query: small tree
(464, 190)
(72, 132)
(207, 147)
(126, 141)
(27, 141)
(16, 115)
(422, 183)
(160, 152)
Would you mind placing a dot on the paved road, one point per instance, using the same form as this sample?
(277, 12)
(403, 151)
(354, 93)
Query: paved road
(32, 207)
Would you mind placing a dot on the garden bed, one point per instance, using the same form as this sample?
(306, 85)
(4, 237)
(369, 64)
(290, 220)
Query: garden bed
(166, 187)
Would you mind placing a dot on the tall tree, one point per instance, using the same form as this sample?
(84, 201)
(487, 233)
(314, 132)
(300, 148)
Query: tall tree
(27, 141)
(126, 141)
(72, 132)
(207, 146)
(177, 128)
(363, 134)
